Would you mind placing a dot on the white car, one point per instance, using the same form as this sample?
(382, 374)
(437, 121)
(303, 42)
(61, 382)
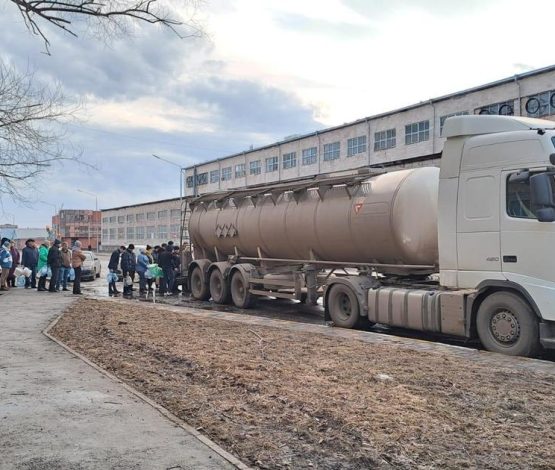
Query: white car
(91, 266)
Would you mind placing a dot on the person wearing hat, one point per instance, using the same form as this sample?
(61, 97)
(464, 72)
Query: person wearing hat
(29, 259)
(77, 258)
(5, 263)
(128, 266)
(54, 261)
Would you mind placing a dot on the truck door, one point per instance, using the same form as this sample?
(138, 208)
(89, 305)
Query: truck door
(527, 245)
(478, 244)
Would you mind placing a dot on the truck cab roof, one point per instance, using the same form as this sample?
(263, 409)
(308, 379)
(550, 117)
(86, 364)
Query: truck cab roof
(457, 126)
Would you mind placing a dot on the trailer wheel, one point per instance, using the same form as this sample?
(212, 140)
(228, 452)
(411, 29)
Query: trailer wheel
(219, 288)
(506, 324)
(343, 306)
(199, 286)
(240, 293)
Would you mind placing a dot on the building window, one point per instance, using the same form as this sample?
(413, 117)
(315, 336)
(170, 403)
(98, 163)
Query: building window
(190, 181)
(417, 132)
(331, 151)
(442, 119)
(104, 220)
(272, 164)
(356, 145)
(174, 231)
(104, 232)
(139, 233)
(121, 219)
(150, 215)
(175, 214)
(289, 160)
(202, 179)
(150, 232)
(131, 233)
(240, 171)
(140, 217)
(226, 173)
(255, 168)
(384, 140)
(214, 176)
(310, 156)
(121, 233)
(130, 218)
(113, 219)
(162, 232)
(112, 234)
(163, 214)
(542, 104)
(505, 108)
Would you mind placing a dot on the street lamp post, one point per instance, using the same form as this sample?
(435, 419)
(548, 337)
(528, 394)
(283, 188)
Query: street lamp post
(181, 173)
(96, 210)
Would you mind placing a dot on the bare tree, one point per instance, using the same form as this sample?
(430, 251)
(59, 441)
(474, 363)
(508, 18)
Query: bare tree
(31, 132)
(108, 15)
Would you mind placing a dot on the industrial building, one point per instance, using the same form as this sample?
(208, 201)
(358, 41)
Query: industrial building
(150, 223)
(406, 137)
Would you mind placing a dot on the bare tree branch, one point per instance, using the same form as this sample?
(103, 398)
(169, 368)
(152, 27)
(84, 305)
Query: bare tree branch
(32, 137)
(109, 15)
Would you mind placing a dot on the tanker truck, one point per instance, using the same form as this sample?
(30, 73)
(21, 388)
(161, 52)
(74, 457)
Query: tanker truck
(467, 249)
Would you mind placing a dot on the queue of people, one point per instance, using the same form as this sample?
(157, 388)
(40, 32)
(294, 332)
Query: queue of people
(165, 256)
(50, 263)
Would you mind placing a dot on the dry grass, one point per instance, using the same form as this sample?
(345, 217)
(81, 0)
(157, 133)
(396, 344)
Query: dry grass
(281, 399)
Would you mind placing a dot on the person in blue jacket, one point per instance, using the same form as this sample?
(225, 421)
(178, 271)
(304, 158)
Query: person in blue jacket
(142, 265)
(5, 263)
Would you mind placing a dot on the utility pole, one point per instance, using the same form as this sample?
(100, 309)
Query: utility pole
(181, 174)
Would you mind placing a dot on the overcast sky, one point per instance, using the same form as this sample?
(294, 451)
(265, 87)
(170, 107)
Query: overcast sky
(266, 69)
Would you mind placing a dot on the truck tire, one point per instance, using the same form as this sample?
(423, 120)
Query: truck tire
(506, 324)
(219, 287)
(199, 286)
(343, 306)
(240, 293)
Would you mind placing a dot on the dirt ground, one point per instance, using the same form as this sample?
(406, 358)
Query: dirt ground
(281, 399)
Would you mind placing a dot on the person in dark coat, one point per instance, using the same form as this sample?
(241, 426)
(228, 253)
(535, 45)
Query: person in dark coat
(128, 266)
(16, 258)
(176, 267)
(54, 261)
(113, 267)
(30, 259)
(165, 262)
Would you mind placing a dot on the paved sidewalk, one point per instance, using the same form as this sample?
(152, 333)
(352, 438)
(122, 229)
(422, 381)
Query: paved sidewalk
(57, 412)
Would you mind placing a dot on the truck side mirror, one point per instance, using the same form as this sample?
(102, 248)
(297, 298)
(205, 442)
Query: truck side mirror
(541, 196)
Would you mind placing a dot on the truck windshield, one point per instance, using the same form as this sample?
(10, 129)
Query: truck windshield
(518, 198)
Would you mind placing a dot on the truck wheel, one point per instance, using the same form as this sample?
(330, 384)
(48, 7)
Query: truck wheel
(219, 288)
(506, 324)
(343, 306)
(240, 293)
(199, 286)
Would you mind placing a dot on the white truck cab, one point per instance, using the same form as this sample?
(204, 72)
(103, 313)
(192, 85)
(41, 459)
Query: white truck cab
(496, 227)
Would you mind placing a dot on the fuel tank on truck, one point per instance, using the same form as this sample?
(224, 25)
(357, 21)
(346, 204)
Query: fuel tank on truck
(389, 218)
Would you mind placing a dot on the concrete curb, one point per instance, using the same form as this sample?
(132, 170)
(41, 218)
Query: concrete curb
(163, 411)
